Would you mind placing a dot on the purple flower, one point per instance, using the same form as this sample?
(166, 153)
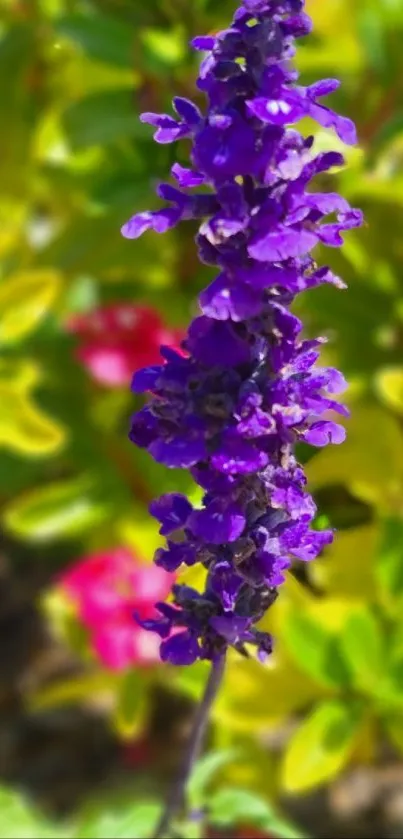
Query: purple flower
(182, 648)
(247, 387)
(218, 523)
(172, 511)
(175, 555)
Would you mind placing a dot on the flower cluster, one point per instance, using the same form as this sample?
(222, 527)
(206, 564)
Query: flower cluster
(107, 589)
(114, 340)
(249, 387)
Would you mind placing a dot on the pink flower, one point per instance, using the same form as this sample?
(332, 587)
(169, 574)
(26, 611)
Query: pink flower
(109, 589)
(118, 339)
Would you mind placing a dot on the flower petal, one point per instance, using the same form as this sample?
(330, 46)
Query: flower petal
(180, 649)
(172, 510)
(217, 524)
(322, 433)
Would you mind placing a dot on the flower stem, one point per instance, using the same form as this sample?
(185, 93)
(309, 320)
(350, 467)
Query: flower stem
(193, 748)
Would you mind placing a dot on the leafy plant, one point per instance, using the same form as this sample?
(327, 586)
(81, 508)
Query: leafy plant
(74, 164)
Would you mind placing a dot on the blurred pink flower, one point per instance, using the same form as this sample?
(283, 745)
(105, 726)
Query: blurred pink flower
(109, 589)
(117, 339)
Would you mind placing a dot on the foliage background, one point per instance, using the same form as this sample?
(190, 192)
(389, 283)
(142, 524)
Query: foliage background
(74, 164)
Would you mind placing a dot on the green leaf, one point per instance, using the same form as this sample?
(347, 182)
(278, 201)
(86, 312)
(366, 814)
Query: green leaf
(103, 118)
(204, 772)
(389, 385)
(103, 38)
(315, 650)
(363, 647)
(25, 299)
(231, 806)
(60, 509)
(76, 690)
(19, 820)
(372, 36)
(391, 689)
(321, 746)
(168, 47)
(255, 696)
(389, 561)
(131, 704)
(374, 439)
(24, 428)
(120, 821)
(347, 567)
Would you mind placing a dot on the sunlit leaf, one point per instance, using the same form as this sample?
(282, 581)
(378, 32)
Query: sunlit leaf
(374, 439)
(131, 704)
(20, 820)
(256, 696)
(315, 650)
(141, 534)
(24, 428)
(168, 47)
(321, 746)
(389, 562)
(389, 384)
(363, 647)
(25, 299)
(59, 509)
(195, 576)
(347, 567)
(86, 689)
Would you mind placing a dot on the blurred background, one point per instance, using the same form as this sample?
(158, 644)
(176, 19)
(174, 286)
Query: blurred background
(91, 725)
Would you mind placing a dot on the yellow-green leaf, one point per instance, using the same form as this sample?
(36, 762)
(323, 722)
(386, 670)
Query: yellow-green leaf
(87, 688)
(321, 746)
(255, 696)
(58, 509)
(140, 533)
(25, 299)
(388, 566)
(131, 704)
(24, 428)
(363, 648)
(347, 568)
(20, 820)
(315, 650)
(389, 384)
(374, 439)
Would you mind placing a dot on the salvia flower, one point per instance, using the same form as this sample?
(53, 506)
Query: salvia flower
(248, 387)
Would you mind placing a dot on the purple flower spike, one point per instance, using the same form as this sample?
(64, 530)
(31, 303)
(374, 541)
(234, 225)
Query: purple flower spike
(247, 387)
